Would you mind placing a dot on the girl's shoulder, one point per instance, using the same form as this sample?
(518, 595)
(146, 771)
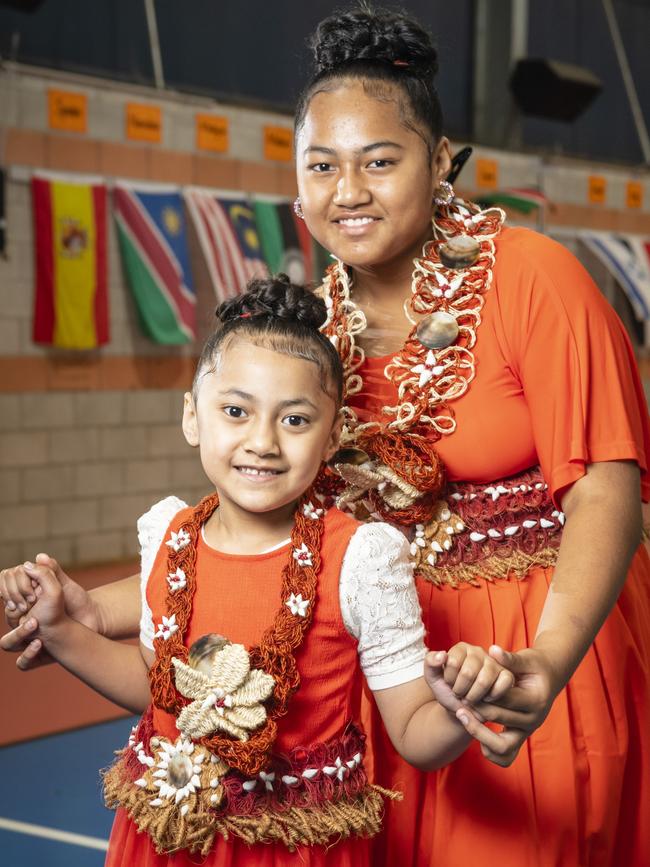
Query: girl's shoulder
(153, 523)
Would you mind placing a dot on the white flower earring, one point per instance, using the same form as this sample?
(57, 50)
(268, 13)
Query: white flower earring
(444, 194)
(297, 208)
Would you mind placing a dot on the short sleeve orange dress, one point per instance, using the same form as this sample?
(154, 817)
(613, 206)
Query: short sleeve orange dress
(556, 386)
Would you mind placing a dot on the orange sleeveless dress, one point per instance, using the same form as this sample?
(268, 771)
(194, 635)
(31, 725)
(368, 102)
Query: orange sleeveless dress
(556, 386)
(238, 596)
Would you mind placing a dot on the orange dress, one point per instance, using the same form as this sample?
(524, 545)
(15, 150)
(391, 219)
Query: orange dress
(238, 596)
(556, 386)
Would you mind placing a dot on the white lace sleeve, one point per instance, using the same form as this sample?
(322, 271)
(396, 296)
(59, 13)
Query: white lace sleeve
(151, 529)
(380, 607)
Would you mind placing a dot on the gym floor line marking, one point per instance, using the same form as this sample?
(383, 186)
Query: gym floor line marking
(53, 834)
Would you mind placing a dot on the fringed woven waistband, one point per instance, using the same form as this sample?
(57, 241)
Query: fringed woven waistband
(182, 796)
(489, 532)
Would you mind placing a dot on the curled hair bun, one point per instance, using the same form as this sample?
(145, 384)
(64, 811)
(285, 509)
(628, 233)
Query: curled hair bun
(276, 297)
(366, 34)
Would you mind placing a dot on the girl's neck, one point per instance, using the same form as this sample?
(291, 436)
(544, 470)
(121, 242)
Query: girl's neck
(234, 530)
(387, 286)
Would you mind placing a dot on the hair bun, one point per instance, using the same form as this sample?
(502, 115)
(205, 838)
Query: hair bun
(373, 35)
(276, 297)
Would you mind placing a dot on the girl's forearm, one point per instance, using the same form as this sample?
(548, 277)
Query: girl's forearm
(116, 671)
(433, 738)
(602, 532)
(117, 605)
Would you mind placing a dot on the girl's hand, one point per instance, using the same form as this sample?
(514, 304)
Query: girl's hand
(465, 674)
(21, 640)
(18, 592)
(528, 703)
(49, 610)
(523, 708)
(13, 584)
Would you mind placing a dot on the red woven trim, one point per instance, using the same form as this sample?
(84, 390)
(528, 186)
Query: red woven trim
(481, 511)
(310, 791)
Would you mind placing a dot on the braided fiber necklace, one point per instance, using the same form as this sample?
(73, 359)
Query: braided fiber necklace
(275, 653)
(435, 365)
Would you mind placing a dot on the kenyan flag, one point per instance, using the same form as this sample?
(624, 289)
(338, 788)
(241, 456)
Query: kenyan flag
(286, 243)
(522, 199)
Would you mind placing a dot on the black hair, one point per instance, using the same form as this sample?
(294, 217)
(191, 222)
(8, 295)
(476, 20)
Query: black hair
(278, 315)
(379, 47)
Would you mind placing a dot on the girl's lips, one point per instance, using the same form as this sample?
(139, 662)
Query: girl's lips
(258, 474)
(355, 226)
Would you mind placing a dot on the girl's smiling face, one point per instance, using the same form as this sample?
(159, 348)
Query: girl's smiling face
(366, 178)
(263, 425)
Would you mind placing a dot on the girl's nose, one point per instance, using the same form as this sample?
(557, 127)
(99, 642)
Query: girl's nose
(351, 190)
(262, 440)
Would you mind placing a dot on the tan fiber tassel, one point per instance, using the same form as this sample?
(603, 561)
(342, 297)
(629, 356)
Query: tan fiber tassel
(171, 828)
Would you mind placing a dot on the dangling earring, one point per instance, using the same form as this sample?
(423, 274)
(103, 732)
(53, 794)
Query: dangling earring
(444, 194)
(297, 208)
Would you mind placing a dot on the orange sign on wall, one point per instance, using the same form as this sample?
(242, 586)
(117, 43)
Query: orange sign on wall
(487, 174)
(634, 194)
(67, 111)
(278, 143)
(597, 189)
(212, 133)
(143, 122)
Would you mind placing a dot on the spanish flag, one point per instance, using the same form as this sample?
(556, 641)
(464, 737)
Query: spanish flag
(71, 298)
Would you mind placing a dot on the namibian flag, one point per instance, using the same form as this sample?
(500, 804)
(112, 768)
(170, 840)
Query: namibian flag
(286, 242)
(228, 237)
(152, 234)
(71, 298)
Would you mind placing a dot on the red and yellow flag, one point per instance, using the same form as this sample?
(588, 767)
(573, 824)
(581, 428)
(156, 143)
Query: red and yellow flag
(71, 298)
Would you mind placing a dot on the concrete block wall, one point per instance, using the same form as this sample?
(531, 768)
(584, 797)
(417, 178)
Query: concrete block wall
(77, 469)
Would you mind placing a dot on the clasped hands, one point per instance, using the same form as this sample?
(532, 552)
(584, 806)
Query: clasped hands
(512, 691)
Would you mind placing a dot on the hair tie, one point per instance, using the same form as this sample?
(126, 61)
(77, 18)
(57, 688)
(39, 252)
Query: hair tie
(401, 63)
(246, 315)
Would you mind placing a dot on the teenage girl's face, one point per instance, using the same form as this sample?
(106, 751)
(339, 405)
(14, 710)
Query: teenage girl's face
(263, 425)
(366, 181)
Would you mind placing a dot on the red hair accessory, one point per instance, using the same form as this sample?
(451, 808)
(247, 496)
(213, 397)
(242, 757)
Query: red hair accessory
(400, 63)
(246, 315)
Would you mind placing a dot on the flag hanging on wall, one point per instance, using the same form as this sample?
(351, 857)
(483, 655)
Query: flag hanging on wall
(71, 296)
(286, 242)
(228, 237)
(625, 258)
(152, 234)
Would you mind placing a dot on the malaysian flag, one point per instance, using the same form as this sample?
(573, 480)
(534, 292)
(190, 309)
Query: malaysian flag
(228, 236)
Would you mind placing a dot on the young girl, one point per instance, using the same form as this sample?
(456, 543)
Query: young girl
(260, 612)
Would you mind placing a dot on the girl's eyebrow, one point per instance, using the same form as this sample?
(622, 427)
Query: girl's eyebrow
(235, 392)
(364, 150)
(244, 395)
(298, 401)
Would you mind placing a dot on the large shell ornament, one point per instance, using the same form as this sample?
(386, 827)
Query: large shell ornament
(461, 251)
(437, 330)
(203, 651)
(352, 456)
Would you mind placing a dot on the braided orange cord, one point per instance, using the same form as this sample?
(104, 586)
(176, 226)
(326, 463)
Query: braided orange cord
(403, 437)
(275, 652)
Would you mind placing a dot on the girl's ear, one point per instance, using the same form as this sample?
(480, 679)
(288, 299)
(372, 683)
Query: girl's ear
(190, 421)
(440, 161)
(334, 440)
